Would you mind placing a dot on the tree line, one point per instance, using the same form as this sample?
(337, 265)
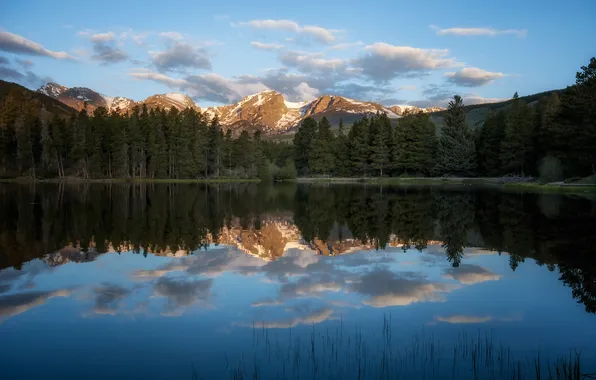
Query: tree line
(553, 138)
(146, 143)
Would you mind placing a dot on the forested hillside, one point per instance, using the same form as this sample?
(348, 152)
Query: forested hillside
(551, 136)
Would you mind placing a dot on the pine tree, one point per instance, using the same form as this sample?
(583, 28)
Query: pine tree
(119, 147)
(214, 148)
(516, 146)
(95, 141)
(456, 154)
(136, 142)
(26, 164)
(342, 153)
(144, 130)
(321, 158)
(489, 144)
(258, 155)
(227, 151)
(185, 160)
(359, 147)
(578, 118)
(242, 152)
(47, 148)
(199, 146)
(380, 153)
(303, 144)
(78, 152)
(415, 143)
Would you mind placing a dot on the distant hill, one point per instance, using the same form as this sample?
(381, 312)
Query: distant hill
(41, 104)
(477, 112)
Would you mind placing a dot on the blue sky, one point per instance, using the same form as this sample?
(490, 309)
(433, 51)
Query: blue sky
(393, 52)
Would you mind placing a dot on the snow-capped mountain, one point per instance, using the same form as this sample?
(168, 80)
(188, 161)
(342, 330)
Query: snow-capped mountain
(267, 111)
(76, 97)
(53, 90)
(170, 100)
(402, 109)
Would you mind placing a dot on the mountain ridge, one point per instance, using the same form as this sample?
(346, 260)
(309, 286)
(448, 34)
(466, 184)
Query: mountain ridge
(267, 111)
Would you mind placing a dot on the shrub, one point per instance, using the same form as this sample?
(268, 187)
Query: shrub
(550, 169)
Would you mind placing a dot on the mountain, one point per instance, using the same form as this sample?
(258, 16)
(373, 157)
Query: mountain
(476, 113)
(170, 100)
(76, 97)
(270, 112)
(37, 103)
(402, 109)
(267, 111)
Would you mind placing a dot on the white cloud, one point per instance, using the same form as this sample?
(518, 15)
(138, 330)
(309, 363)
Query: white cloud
(211, 87)
(181, 55)
(175, 36)
(407, 87)
(490, 32)
(14, 43)
(305, 92)
(103, 37)
(157, 77)
(472, 77)
(264, 46)
(383, 61)
(317, 32)
(346, 45)
(310, 62)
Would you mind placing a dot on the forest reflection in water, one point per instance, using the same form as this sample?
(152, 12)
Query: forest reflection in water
(554, 230)
(277, 272)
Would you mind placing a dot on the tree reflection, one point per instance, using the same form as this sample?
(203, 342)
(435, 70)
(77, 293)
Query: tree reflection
(555, 231)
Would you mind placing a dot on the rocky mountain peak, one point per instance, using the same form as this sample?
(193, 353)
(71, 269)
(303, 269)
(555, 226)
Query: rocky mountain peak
(52, 89)
(267, 111)
(169, 100)
(403, 109)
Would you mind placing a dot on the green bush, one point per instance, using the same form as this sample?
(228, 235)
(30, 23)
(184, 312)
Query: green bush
(287, 172)
(550, 169)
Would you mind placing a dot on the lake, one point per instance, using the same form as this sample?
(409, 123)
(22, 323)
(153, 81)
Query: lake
(294, 281)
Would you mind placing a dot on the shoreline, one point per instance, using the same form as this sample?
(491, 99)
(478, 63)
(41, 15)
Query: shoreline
(489, 182)
(75, 180)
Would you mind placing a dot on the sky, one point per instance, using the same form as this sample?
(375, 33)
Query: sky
(392, 52)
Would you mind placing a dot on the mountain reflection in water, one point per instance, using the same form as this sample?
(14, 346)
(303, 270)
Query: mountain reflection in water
(227, 263)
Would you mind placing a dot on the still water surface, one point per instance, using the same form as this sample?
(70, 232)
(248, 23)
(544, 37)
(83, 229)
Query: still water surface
(246, 281)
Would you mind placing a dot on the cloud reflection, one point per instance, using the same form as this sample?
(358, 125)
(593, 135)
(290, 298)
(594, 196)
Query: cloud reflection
(465, 319)
(312, 318)
(108, 298)
(181, 293)
(469, 274)
(385, 288)
(14, 304)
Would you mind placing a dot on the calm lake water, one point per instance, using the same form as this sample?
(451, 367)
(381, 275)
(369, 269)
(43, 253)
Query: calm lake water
(254, 282)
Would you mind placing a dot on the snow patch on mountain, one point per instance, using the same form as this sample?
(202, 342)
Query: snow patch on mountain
(177, 97)
(52, 89)
(292, 105)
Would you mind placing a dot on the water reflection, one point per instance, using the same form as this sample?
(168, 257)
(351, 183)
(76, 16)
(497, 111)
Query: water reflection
(222, 261)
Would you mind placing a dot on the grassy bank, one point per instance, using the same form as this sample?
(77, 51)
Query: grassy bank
(552, 188)
(493, 182)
